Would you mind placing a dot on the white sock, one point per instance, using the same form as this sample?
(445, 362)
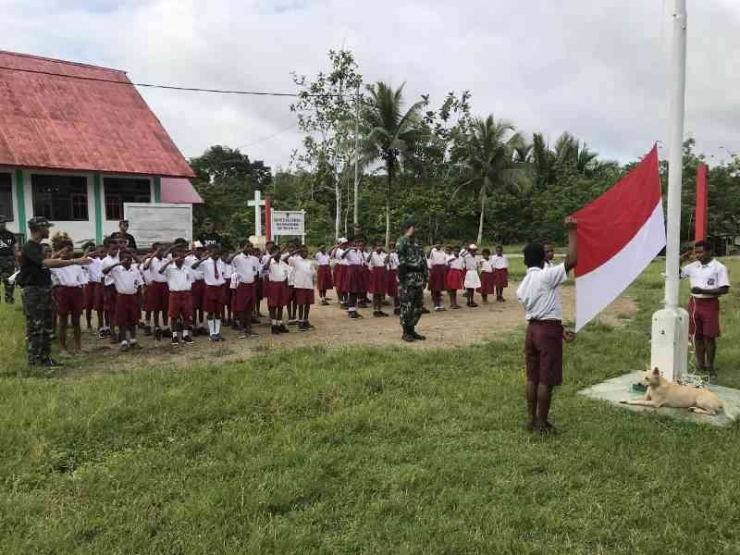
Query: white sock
(353, 309)
(186, 333)
(174, 334)
(124, 342)
(218, 327)
(133, 341)
(211, 327)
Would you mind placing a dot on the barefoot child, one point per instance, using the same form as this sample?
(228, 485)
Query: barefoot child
(303, 282)
(70, 296)
(127, 282)
(180, 280)
(437, 275)
(324, 279)
(213, 272)
(377, 264)
(539, 294)
(501, 273)
(486, 276)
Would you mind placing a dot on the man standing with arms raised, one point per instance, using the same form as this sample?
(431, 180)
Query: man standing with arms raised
(8, 247)
(413, 274)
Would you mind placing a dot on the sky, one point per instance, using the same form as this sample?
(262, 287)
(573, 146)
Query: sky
(598, 69)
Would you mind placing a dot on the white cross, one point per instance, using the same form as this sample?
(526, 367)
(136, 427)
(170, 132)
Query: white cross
(257, 203)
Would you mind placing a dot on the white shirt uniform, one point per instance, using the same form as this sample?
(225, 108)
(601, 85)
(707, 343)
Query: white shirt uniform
(539, 295)
(303, 272)
(94, 270)
(500, 262)
(393, 261)
(107, 262)
(457, 263)
(377, 260)
(339, 255)
(127, 282)
(437, 258)
(486, 266)
(213, 271)
(277, 271)
(246, 267)
(179, 279)
(198, 272)
(265, 271)
(70, 276)
(322, 259)
(354, 257)
(154, 266)
(472, 279)
(710, 276)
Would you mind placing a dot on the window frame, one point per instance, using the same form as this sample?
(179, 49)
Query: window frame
(88, 194)
(121, 202)
(10, 215)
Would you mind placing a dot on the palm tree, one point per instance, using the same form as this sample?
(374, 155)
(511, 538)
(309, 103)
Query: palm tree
(491, 164)
(391, 135)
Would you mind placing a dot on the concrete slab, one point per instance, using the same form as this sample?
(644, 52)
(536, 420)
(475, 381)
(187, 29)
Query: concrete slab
(617, 389)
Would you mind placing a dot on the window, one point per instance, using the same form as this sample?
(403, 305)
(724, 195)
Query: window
(60, 197)
(6, 196)
(119, 190)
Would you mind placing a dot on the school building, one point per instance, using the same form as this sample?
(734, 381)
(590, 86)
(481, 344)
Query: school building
(76, 143)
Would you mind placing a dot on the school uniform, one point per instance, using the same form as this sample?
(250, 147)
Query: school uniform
(213, 272)
(392, 277)
(378, 273)
(323, 276)
(226, 288)
(70, 292)
(126, 283)
(704, 309)
(455, 274)
(340, 271)
(289, 272)
(246, 269)
(109, 291)
(437, 270)
(487, 286)
(277, 284)
(472, 279)
(198, 288)
(353, 276)
(539, 295)
(180, 286)
(303, 278)
(94, 293)
(500, 271)
(366, 274)
(157, 292)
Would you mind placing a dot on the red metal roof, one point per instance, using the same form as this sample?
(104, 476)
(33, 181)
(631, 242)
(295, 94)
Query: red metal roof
(176, 190)
(53, 122)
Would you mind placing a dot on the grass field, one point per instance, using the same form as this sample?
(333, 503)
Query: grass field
(362, 451)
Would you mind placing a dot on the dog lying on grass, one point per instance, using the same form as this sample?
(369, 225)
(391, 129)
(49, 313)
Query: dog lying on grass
(662, 393)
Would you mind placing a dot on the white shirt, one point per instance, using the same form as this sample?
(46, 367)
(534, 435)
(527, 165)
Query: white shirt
(154, 266)
(457, 263)
(264, 261)
(213, 271)
(393, 262)
(471, 264)
(501, 262)
(711, 276)
(246, 267)
(486, 266)
(277, 271)
(438, 258)
(197, 273)
(322, 259)
(303, 272)
(70, 276)
(94, 270)
(339, 255)
(179, 279)
(127, 282)
(228, 271)
(539, 295)
(107, 262)
(377, 260)
(354, 257)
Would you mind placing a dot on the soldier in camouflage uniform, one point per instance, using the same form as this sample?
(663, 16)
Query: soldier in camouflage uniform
(413, 274)
(7, 259)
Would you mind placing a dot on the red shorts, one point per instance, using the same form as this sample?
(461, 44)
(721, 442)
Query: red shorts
(127, 310)
(455, 279)
(304, 297)
(197, 292)
(244, 299)
(226, 292)
(213, 299)
(438, 278)
(487, 283)
(378, 281)
(70, 300)
(277, 293)
(323, 278)
(181, 306)
(109, 298)
(339, 274)
(157, 296)
(501, 278)
(392, 284)
(704, 318)
(94, 296)
(259, 289)
(544, 352)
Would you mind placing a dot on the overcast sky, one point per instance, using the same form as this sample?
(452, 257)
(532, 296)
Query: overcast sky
(596, 68)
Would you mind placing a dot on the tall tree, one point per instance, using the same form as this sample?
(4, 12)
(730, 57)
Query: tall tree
(390, 135)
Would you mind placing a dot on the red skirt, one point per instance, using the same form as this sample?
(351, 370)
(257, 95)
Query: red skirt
(70, 300)
(277, 293)
(127, 310)
(324, 281)
(94, 296)
(304, 297)
(226, 292)
(157, 297)
(438, 278)
(197, 293)
(365, 279)
(181, 306)
(392, 284)
(455, 279)
(246, 294)
(213, 299)
(501, 278)
(353, 279)
(340, 271)
(487, 286)
(378, 281)
(109, 298)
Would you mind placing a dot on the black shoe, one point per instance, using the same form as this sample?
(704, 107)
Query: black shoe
(407, 338)
(283, 329)
(220, 337)
(157, 334)
(275, 330)
(382, 314)
(472, 305)
(377, 314)
(424, 310)
(324, 302)
(417, 336)
(148, 331)
(396, 311)
(50, 363)
(175, 340)
(355, 315)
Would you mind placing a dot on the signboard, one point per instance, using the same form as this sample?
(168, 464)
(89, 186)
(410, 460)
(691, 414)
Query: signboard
(163, 223)
(289, 222)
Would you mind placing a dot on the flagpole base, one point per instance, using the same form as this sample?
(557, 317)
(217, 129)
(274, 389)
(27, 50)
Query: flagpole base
(669, 347)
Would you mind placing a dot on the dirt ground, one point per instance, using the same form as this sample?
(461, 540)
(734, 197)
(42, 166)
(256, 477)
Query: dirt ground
(333, 329)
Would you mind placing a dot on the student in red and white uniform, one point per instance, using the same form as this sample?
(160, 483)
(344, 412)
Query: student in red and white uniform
(198, 289)
(378, 264)
(227, 291)
(455, 276)
(303, 283)
(323, 277)
(109, 291)
(353, 279)
(340, 270)
(70, 296)
(247, 267)
(486, 276)
(437, 275)
(127, 282)
(213, 272)
(472, 280)
(180, 278)
(709, 281)
(277, 289)
(263, 281)
(291, 307)
(94, 295)
(157, 293)
(500, 273)
(392, 278)
(366, 276)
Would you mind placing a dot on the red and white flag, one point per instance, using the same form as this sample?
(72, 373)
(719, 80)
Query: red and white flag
(619, 234)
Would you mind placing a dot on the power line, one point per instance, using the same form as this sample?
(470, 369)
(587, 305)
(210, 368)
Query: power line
(264, 139)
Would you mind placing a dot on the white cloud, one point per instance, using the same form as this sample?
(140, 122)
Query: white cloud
(596, 69)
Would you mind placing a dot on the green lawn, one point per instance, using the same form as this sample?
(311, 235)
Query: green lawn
(363, 451)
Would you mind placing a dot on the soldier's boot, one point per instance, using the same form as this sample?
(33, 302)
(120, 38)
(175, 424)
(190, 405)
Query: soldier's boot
(407, 335)
(416, 336)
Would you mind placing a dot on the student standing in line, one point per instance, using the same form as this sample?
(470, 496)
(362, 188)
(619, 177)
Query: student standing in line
(127, 282)
(377, 263)
(486, 276)
(246, 269)
(70, 297)
(180, 281)
(303, 283)
(455, 276)
(324, 278)
(392, 278)
(213, 272)
(472, 280)
(437, 275)
(501, 273)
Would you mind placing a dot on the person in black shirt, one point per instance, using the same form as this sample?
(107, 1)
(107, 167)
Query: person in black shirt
(8, 249)
(123, 233)
(35, 278)
(210, 238)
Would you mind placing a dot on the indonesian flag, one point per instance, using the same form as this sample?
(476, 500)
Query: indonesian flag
(619, 234)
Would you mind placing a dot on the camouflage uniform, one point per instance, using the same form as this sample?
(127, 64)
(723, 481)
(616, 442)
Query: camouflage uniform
(413, 274)
(37, 307)
(7, 269)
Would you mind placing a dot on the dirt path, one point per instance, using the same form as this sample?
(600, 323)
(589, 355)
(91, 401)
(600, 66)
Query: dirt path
(334, 329)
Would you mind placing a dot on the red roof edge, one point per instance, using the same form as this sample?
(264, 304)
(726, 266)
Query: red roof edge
(58, 61)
